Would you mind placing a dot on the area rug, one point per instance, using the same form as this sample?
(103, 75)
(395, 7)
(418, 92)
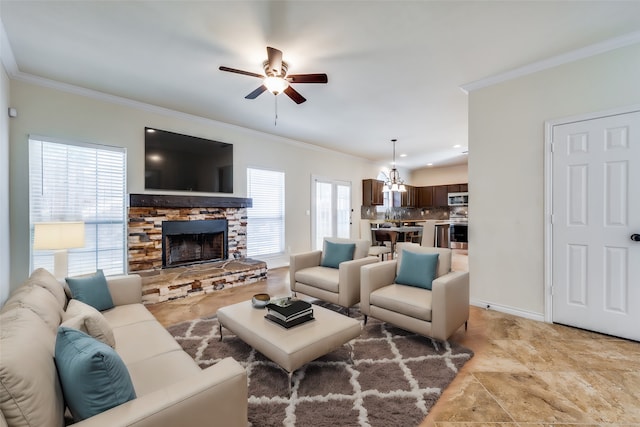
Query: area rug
(394, 379)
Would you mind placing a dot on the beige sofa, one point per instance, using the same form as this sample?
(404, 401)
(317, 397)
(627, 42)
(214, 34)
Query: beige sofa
(171, 389)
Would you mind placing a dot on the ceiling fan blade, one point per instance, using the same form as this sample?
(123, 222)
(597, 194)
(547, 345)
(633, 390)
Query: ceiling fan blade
(275, 60)
(295, 95)
(255, 93)
(246, 73)
(307, 78)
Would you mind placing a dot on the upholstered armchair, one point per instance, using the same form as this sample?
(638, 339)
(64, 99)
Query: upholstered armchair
(436, 310)
(333, 274)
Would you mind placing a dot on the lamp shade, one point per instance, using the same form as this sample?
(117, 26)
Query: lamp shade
(58, 235)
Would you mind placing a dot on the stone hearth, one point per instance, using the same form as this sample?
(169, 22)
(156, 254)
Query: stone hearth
(178, 282)
(147, 213)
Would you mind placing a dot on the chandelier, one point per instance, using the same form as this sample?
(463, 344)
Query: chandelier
(393, 181)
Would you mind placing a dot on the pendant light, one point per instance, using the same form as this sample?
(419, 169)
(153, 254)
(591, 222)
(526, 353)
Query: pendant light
(393, 182)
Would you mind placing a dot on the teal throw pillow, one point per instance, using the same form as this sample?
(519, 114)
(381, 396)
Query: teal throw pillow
(93, 376)
(92, 290)
(417, 269)
(335, 253)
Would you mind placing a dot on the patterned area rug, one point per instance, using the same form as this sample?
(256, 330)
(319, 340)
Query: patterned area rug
(394, 380)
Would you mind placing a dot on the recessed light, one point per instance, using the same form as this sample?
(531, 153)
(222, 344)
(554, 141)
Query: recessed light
(429, 164)
(403, 155)
(457, 146)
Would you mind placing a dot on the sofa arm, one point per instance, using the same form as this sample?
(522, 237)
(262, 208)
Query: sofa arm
(215, 396)
(349, 280)
(450, 303)
(373, 277)
(125, 289)
(300, 261)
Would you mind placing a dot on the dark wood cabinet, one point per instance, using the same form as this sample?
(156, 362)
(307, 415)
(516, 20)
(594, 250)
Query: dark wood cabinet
(424, 197)
(453, 188)
(372, 192)
(464, 188)
(440, 195)
(409, 197)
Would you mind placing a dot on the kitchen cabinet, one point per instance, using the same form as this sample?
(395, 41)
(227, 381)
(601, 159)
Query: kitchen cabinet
(453, 188)
(409, 197)
(440, 195)
(372, 192)
(424, 197)
(464, 188)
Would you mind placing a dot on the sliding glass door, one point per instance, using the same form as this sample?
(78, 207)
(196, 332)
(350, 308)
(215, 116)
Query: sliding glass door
(331, 210)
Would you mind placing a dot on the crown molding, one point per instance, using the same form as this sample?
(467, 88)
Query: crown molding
(554, 61)
(6, 53)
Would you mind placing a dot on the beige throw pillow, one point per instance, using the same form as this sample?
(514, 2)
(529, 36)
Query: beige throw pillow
(87, 319)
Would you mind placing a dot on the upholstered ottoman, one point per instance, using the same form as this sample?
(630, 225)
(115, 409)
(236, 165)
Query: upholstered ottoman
(289, 348)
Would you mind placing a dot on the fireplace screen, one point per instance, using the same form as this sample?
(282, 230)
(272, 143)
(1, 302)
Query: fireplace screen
(190, 242)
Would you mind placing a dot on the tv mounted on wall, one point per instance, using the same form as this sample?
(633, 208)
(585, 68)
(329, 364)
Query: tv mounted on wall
(186, 163)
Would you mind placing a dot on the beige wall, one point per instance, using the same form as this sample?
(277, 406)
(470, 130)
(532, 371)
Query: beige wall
(52, 113)
(506, 175)
(457, 174)
(5, 253)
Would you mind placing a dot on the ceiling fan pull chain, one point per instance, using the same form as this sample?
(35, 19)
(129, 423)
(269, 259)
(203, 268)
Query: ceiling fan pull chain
(275, 121)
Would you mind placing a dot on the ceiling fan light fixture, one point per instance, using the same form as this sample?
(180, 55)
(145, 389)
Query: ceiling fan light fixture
(275, 85)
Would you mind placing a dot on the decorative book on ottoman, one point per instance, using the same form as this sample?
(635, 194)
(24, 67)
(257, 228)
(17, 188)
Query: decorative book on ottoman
(290, 323)
(289, 312)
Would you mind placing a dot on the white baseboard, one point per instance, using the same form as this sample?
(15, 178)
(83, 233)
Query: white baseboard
(509, 310)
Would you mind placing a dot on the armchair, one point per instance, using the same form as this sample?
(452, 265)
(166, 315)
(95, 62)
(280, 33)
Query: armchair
(340, 285)
(436, 313)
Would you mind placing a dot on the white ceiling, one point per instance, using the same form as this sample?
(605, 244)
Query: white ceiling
(395, 67)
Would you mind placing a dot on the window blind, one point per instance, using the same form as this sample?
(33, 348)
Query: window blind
(265, 227)
(80, 182)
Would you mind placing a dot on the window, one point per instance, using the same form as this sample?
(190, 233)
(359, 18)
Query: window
(265, 227)
(80, 182)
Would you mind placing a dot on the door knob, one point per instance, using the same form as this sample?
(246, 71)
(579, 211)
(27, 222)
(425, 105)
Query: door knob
(635, 237)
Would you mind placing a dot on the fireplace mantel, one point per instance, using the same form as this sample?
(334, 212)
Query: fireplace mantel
(190, 201)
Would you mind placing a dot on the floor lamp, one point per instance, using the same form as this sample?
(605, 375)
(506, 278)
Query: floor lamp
(58, 236)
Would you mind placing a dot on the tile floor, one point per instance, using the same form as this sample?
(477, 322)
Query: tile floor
(524, 373)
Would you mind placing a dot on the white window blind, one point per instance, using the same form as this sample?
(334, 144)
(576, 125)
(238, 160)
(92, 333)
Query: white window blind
(265, 227)
(80, 182)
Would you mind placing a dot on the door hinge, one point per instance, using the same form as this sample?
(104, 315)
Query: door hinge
(553, 146)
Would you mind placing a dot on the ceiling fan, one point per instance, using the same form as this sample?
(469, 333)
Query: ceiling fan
(276, 79)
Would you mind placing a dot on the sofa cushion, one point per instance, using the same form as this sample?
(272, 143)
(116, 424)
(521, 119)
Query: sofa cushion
(93, 376)
(123, 315)
(87, 319)
(417, 269)
(142, 340)
(408, 300)
(30, 393)
(92, 290)
(40, 301)
(144, 373)
(335, 253)
(319, 277)
(45, 279)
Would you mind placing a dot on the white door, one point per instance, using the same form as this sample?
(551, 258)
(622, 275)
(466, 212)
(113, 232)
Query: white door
(596, 210)
(332, 210)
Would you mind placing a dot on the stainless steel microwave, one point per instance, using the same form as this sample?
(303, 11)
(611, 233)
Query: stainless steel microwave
(458, 199)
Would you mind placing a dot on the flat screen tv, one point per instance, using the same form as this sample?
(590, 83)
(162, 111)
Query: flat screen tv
(186, 163)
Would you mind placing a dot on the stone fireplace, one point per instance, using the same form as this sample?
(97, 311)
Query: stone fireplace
(189, 245)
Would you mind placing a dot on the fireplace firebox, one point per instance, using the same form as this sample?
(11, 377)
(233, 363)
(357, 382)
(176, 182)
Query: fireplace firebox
(193, 242)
